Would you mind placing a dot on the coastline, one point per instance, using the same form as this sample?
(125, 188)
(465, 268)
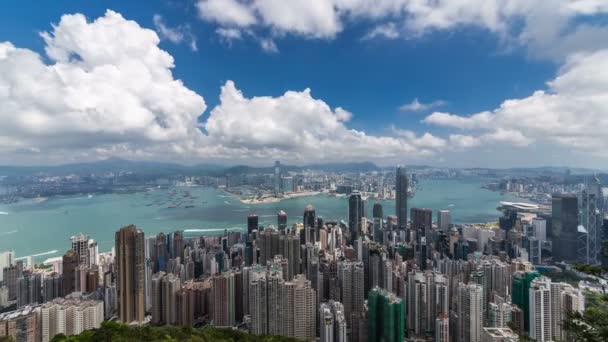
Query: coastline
(272, 199)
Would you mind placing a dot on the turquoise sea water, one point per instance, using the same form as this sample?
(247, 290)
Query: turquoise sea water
(31, 228)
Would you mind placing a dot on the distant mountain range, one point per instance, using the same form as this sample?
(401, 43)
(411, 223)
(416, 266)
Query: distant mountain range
(151, 168)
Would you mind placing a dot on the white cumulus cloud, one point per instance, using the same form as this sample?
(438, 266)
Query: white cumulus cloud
(548, 29)
(107, 84)
(571, 115)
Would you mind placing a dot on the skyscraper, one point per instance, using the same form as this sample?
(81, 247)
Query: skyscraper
(521, 294)
(80, 245)
(6, 260)
(130, 263)
(592, 203)
(378, 233)
(444, 219)
(282, 220)
(309, 224)
(352, 286)
(355, 213)
(386, 316)
(277, 178)
(252, 223)
(401, 186)
(470, 312)
(564, 227)
(300, 309)
(70, 261)
(442, 328)
(540, 310)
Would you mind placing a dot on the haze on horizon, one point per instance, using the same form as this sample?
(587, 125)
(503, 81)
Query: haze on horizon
(480, 83)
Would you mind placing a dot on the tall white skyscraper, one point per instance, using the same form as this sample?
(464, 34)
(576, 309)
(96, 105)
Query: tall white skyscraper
(540, 316)
(470, 312)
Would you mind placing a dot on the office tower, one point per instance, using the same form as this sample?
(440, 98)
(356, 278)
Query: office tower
(520, 297)
(277, 178)
(292, 252)
(564, 227)
(130, 280)
(507, 221)
(176, 244)
(444, 220)
(355, 213)
(162, 252)
(69, 317)
(6, 260)
(422, 220)
(378, 233)
(80, 245)
(442, 328)
(470, 312)
(540, 309)
(300, 309)
(268, 249)
(252, 223)
(540, 228)
(29, 289)
(21, 325)
(401, 187)
(352, 288)
(11, 275)
(534, 250)
(52, 287)
(377, 210)
(309, 221)
(386, 316)
(282, 221)
(70, 261)
(591, 209)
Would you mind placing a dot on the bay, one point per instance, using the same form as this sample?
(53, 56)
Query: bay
(31, 228)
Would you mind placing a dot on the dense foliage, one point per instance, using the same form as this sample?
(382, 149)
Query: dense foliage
(112, 331)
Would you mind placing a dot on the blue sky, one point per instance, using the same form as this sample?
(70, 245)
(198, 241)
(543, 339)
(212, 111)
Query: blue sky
(467, 60)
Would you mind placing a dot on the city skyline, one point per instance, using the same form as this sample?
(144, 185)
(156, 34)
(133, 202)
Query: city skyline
(304, 170)
(340, 81)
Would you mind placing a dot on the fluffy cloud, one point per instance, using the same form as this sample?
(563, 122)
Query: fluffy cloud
(176, 35)
(569, 115)
(550, 29)
(107, 85)
(417, 106)
(296, 126)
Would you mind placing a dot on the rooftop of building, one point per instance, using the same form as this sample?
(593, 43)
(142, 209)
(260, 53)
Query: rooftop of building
(501, 332)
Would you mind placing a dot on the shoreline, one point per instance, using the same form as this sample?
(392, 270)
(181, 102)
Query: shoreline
(272, 199)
